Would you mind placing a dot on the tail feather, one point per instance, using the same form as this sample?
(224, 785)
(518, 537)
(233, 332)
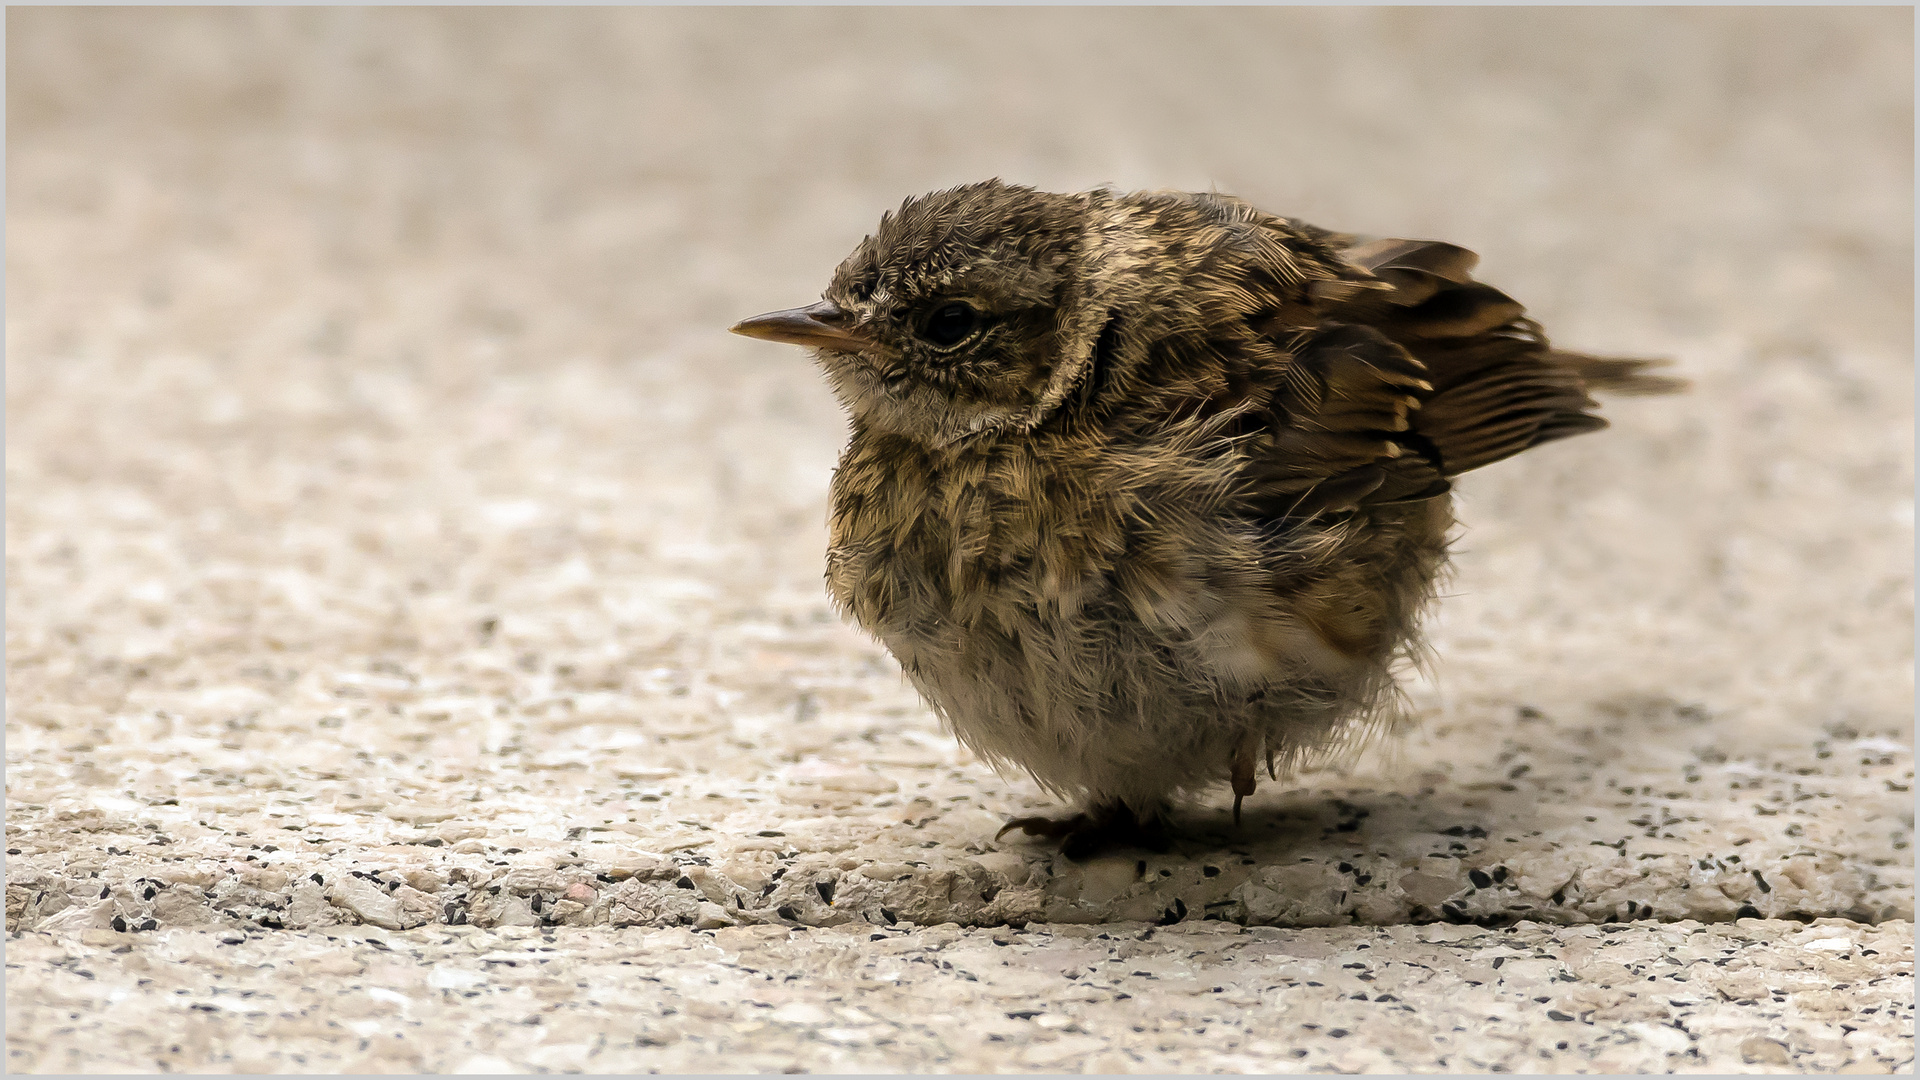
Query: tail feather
(1619, 375)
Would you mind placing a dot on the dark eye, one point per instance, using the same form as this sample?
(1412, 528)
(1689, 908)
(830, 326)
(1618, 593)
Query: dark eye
(951, 324)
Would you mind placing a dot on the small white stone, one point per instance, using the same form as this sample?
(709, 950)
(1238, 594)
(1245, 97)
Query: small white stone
(446, 977)
(801, 1012)
(367, 901)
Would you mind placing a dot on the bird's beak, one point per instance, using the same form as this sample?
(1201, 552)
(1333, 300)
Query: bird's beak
(824, 325)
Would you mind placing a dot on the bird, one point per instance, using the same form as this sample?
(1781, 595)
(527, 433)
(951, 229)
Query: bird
(1144, 490)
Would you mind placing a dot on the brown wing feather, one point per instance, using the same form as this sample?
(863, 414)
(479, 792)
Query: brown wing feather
(1402, 371)
(1498, 386)
(1343, 428)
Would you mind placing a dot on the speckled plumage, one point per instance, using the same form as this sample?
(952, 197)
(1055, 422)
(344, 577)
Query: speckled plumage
(1171, 500)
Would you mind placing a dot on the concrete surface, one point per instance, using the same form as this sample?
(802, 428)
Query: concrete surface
(1751, 996)
(414, 617)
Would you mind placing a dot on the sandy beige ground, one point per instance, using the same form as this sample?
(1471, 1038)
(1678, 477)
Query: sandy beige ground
(415, 637)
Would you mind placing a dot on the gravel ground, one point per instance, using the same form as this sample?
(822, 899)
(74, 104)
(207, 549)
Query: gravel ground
(414, 612)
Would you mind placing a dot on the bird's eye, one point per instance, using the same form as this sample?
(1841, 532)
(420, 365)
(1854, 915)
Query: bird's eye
(951, 324)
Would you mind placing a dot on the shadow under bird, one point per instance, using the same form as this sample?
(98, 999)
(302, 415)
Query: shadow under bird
(1145, 490)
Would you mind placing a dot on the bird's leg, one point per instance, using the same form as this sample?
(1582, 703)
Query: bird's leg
(1243, 774)
(1102, 827)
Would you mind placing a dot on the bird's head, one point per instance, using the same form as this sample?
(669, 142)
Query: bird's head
(967, 310)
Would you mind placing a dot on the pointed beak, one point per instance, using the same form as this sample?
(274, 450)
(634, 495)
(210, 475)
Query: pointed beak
(824, 325)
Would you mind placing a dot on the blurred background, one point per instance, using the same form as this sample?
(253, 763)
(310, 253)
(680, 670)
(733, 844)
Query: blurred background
(392, 340)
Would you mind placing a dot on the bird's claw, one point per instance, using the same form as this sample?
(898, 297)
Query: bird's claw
(1051, 828)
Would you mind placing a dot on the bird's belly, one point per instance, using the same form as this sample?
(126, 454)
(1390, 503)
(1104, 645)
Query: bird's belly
(1082, 700)
(1142, 674)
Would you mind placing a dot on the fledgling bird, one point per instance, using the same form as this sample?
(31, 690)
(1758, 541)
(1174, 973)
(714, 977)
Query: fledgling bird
(1146, 489)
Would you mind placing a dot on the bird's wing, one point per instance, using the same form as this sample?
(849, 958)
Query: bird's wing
(1344, 428)
(1498, 386)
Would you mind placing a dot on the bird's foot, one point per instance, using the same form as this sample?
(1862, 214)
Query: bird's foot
(1087, 835)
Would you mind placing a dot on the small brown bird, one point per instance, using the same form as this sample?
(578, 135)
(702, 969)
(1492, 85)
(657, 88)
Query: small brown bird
(1145, 489)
